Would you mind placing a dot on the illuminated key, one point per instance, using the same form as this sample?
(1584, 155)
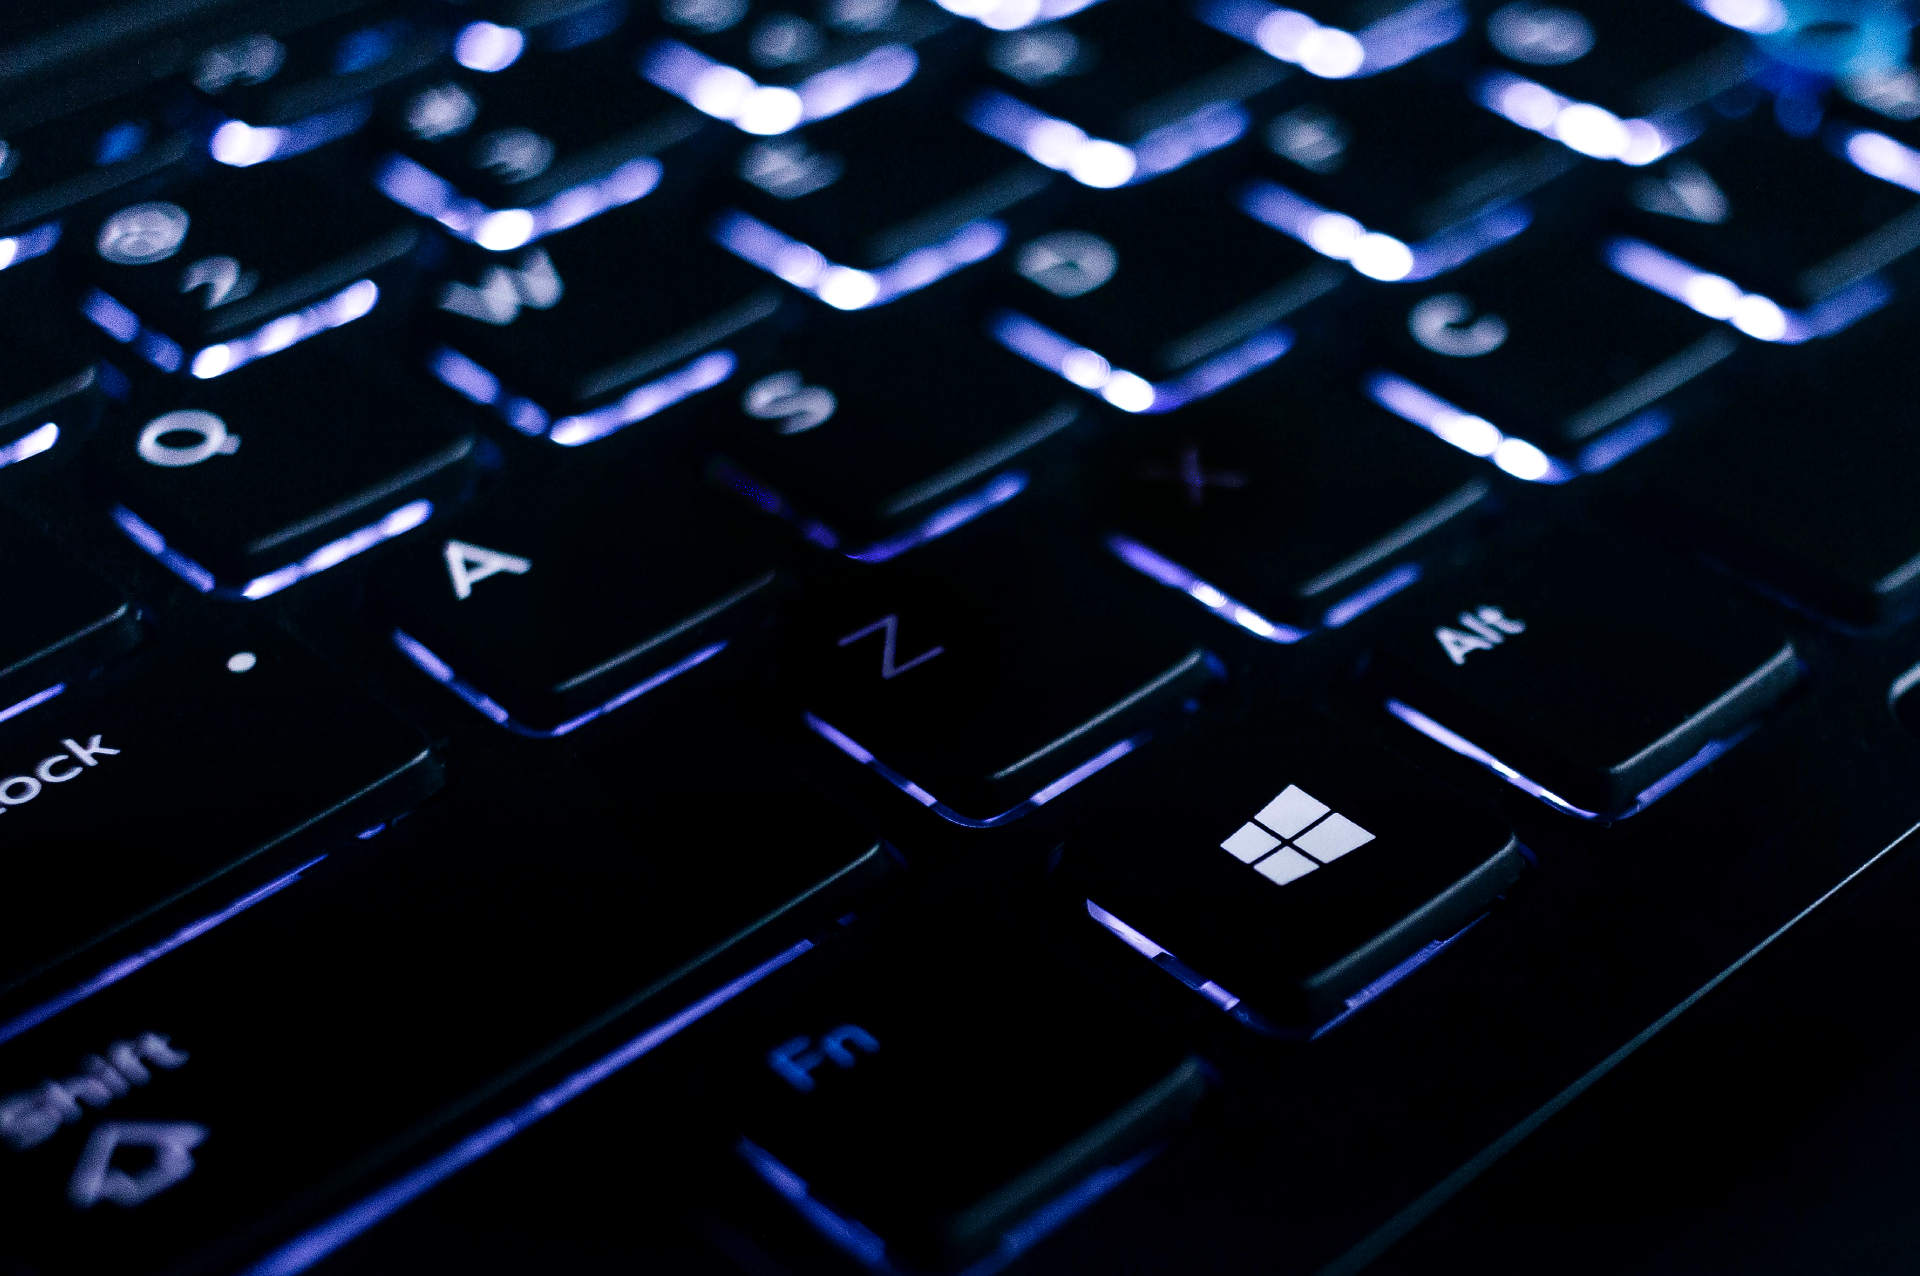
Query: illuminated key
(63, 623)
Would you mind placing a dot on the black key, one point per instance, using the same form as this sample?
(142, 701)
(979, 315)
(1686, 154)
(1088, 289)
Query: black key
(1180, 315)
(1281, 513)
(205, 770)
(248, 483)
(60, 163)
(1285, 867)
(1632, 58)
(1804, 497)
(550, 338)
(814, 435)
(1596, 676)
(51, 385)
(830, 1091)
(560, 603)
(244, 263)
(987, 676)
(309, 80)
(38, 41)
(504, 156)
(1546, 341)
(1780, 216)
(1409, 154)
(865, 190)
(61, 622)
(470, 989)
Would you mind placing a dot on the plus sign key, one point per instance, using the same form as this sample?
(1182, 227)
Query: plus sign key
(1592, 675)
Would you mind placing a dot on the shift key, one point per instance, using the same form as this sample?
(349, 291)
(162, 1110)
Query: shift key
(205, 769)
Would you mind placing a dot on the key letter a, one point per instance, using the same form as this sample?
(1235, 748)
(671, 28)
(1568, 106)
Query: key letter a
(470, 564)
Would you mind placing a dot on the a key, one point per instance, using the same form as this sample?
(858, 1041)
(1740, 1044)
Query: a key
(1281, 512)
(1288, 871)
(814, 436)
(1146, 320)
(245, 263)
(986, 676)
(1781, 218)
(1594, 676)
(501, 155)
(1546, 341)
(62, 622)
(350, 1030)
(549, 607)
(1047, 1080)
(239, 760)
(550, 337)
(51, 385)
(1800, 496)
(1631, 58)
(249, 483)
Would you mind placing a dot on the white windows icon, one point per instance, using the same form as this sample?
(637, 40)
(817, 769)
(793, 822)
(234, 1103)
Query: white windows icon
(1293, 835)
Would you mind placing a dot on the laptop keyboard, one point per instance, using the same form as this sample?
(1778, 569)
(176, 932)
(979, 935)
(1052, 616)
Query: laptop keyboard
(1038, 634)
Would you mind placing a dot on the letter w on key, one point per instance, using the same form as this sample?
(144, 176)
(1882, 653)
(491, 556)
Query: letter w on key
(501, 292)
(890, 626)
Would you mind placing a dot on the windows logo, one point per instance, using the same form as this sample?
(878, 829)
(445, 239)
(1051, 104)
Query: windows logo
(1293, 835)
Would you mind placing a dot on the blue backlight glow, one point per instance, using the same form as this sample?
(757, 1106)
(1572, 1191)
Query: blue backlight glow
(1624, 440)
(1329, 52)
(1466, 748)
(1718, 297)
(500, 230)
(355, 301)
(473, 382)
(1755, 17)
(1011, 15)
(1878, 155)
(1471, 434)
(484, 47)
(238, 144)
(124, 326)
(1590, 130)
(119, 970)
(844, 287)
(29, 244)
(1339, 237)
(1170, 573)
(1041, 345)
(441, 672)
(1091, 161)
(996, 492)
(32, 443)
(402, 520)
(1092, 766)
(33, 701)
(309, 1248)
(730, 94)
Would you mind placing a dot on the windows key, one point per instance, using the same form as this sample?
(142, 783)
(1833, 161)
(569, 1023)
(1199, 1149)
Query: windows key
(1289, 871)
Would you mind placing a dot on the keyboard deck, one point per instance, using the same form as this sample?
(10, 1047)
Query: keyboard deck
(1037, 634)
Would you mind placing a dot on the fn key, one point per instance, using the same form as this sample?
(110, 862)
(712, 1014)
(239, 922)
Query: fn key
(1590, 676)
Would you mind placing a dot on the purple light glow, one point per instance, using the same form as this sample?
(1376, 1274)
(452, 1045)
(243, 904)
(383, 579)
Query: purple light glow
(500, 230)
(844, 287)
(1590, 130)
(1041, 345)
(1471, 434)
(33, 701)
(1329, 52)
(1171, 574)
(126, 966)
(27, 245)
(399, 521)
(238, 144)
(124, 326)
(1011, 15)
(638, 404)
(309, 1248)
(30, 444)
(1377, 256)
(1094, 162)
(730, 94)
(355, 301)
(441, 672)
(1092, 766)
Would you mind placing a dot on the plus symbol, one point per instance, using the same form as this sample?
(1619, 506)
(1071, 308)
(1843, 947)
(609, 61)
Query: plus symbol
(1190, 474)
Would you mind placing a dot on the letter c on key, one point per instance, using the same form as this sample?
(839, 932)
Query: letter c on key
(1440, 324)
(210, 429)
(46, 772)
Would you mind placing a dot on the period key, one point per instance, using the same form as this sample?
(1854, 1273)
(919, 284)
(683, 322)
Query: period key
(1588, 674)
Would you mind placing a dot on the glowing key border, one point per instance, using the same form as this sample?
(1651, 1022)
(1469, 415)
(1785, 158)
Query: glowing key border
(847, 287)
(1128, 391)
(396, 522)
(412, 185)
(1299, 218)
(952, 516)
(479, 385)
